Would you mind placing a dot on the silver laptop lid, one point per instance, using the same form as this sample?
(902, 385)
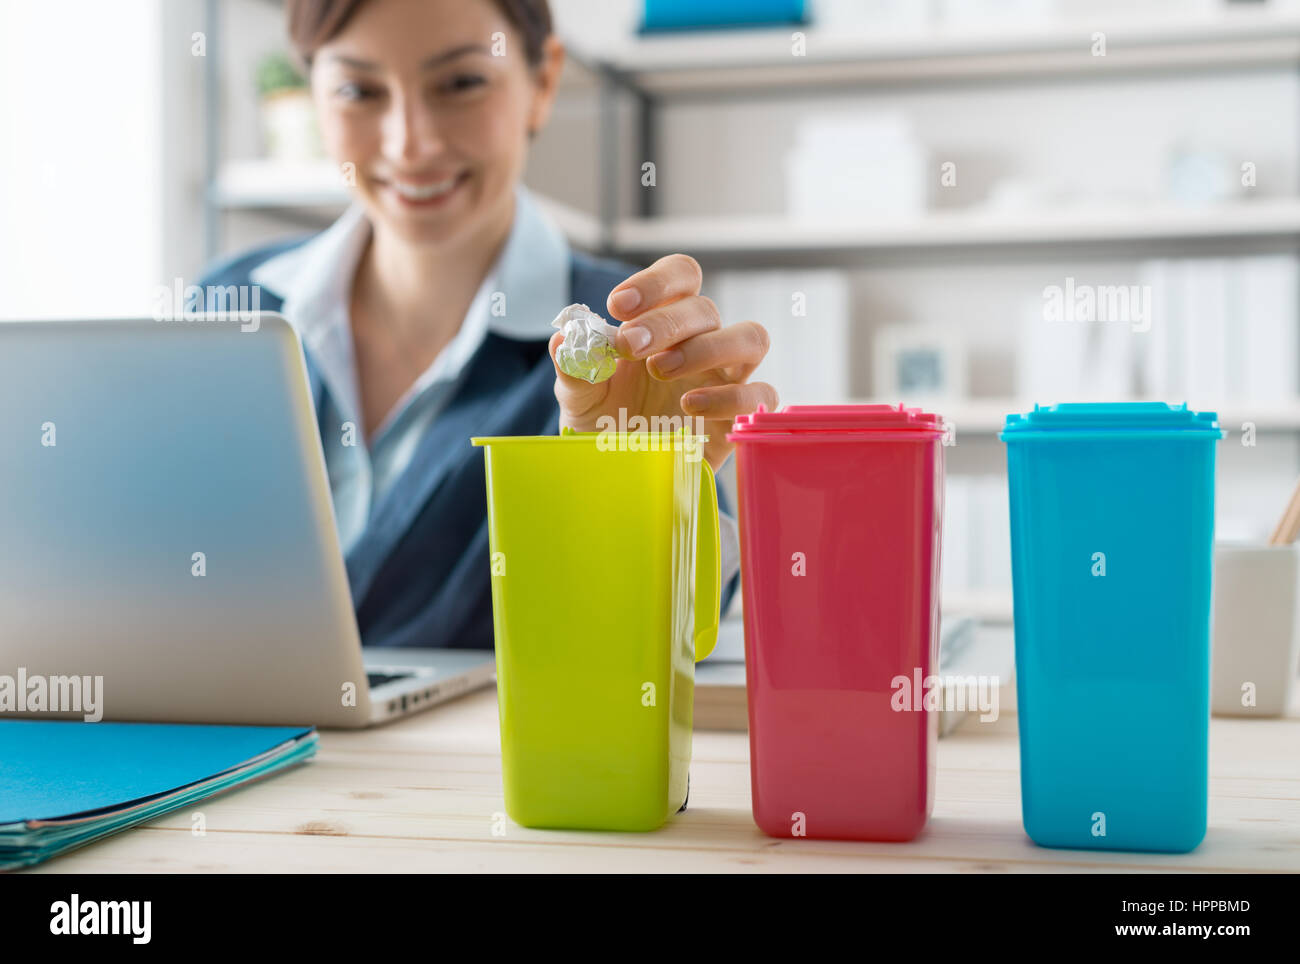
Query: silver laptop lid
(167, 524)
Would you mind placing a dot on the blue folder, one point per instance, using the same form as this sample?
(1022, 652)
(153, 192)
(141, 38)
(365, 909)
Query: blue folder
(64, 784)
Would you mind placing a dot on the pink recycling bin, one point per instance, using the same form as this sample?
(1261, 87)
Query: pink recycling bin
(839, 510)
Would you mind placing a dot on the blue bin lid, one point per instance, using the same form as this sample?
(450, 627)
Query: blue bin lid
(1109, 418)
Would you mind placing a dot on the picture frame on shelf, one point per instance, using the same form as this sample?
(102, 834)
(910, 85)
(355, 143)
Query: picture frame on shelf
(915, 362)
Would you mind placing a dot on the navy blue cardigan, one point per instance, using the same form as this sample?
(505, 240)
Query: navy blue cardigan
(420, 574)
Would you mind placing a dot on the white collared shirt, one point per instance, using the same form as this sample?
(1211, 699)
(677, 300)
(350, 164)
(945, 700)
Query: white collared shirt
(314, 282)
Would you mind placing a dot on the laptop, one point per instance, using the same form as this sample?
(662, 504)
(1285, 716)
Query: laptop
(168, 549)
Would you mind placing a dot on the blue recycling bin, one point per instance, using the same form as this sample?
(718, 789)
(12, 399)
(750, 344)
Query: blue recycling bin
(1112, 539)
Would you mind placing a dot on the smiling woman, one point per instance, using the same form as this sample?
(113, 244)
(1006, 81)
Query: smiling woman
(425, 310)
(433, 129)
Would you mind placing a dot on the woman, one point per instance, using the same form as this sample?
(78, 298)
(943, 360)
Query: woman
(425, 309)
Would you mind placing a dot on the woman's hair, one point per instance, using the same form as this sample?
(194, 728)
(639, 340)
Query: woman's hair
(313, 23)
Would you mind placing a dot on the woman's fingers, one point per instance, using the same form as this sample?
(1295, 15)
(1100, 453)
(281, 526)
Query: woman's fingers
(669, 278)
(728, 401)
(663, 327)
(736, 349)
(576, 397)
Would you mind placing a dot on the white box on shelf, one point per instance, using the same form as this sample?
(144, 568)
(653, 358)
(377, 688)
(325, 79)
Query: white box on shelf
(876, 16)
(1162, 351)
(955, 556)
(806, 314)
(1205, 304)
(1265, 311)
(1108, 363)
(845, 167)
(1050, 356)
(999, 13)
(991, 517)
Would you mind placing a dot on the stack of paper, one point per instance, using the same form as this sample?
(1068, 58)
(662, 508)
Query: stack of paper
(720, 684)
(1223, 330)
(1214, 332)
(968, 654)
(65, 784)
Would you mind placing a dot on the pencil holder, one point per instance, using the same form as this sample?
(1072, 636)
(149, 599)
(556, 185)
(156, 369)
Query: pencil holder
(1256, 642)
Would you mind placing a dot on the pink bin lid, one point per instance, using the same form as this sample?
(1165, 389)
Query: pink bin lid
(838, 420)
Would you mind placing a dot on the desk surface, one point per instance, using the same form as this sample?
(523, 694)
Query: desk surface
(421, 795)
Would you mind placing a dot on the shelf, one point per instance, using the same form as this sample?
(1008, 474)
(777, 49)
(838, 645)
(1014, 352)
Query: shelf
(971, 228)
(745, 60)
(267, 185)
(274, 184)
(271, 185)
(582, 229)
(987, 416)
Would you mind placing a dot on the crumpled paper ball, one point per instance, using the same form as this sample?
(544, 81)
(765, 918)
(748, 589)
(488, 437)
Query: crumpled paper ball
(588, 351)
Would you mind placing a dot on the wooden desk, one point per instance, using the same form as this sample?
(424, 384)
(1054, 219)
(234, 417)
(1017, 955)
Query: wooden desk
(420, 795)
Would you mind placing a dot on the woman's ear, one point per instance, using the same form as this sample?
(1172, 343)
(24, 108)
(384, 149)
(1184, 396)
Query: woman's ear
(546, 76)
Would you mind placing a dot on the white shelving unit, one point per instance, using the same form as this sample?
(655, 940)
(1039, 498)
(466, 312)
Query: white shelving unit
(653, 74)
(758, 63)
(658, 69)
(763, 59)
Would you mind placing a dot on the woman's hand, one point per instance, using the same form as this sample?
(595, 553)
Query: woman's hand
(676, 359)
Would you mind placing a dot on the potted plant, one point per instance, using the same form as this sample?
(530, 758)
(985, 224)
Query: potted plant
(288, 117)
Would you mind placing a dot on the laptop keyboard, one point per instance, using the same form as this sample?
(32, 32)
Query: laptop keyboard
(378, 679)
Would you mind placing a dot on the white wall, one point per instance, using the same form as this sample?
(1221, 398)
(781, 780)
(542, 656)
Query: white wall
(80, 163)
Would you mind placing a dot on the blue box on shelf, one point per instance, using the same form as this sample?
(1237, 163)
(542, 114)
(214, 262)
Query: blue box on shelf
(668, 15)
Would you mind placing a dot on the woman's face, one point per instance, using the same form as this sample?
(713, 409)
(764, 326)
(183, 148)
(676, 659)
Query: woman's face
(431, 102)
